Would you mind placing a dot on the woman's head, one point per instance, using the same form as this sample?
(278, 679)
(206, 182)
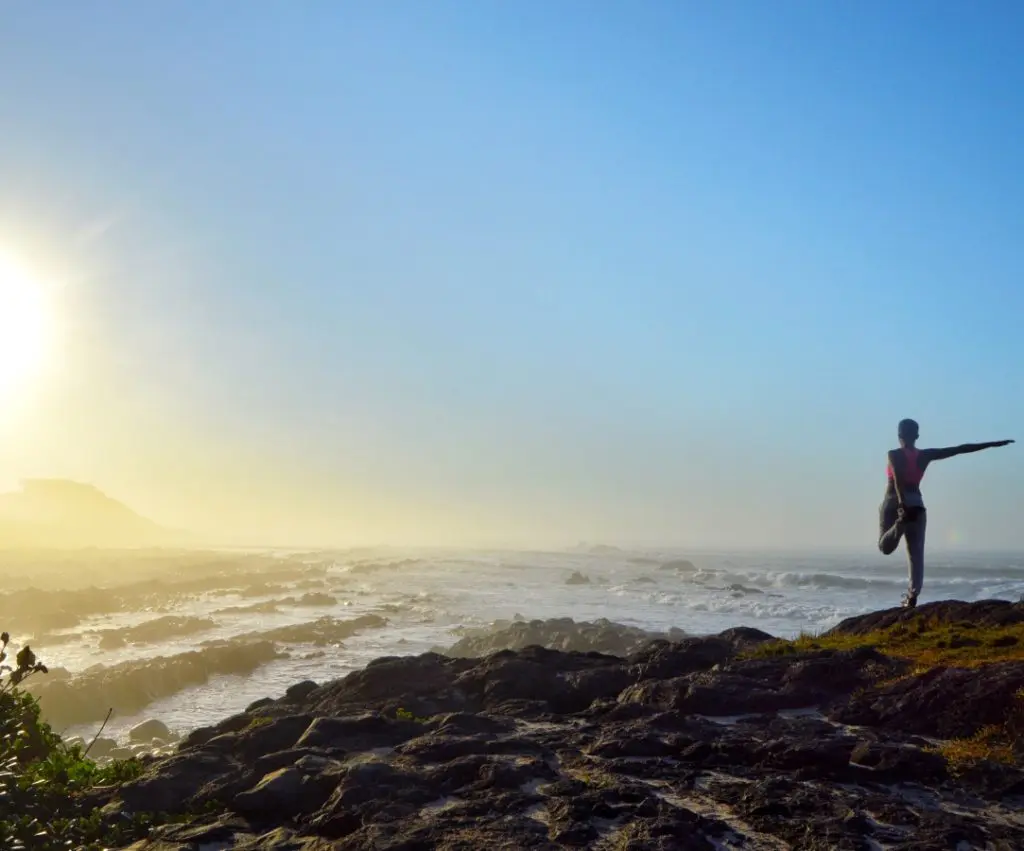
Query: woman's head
(908, 432)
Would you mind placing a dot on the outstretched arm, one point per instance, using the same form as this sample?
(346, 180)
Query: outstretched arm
(962, 449)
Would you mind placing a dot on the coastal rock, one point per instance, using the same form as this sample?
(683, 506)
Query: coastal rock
(983, 613)
(745, 637)
(131, 686)
(284, 793)
(577, 578)
(316, 598)
(703, 743)
(664, 659)
(174, 784)
(601, 636)
(761, 685)
(740, 590)
(321, 632)
(944, 702)
(680, 565)
(101, 747)
(153, 631)
(147, 731)
(300, 691)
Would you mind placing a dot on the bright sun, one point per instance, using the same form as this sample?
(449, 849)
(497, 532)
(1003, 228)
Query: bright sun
(24, 327)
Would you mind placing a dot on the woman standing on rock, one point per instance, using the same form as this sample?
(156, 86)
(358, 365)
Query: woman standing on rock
(902, 513)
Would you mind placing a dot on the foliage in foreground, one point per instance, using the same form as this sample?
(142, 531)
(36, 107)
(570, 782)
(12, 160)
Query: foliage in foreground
(43, 780)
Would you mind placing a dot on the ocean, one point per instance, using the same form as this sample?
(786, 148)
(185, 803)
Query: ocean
(429, 597)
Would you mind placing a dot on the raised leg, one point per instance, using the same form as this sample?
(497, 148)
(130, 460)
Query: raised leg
(890, 530)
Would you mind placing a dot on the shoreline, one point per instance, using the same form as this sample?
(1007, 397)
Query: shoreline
(737, 740)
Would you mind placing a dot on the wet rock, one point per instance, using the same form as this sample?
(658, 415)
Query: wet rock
(316, 598)
(266, 607)
(147, 731)
(101, 748)
(680, 565)
(300, 691)
(577, 578)
(151, 632)
(601, 636)
(131, 686)
(321, 632)
(199, 736)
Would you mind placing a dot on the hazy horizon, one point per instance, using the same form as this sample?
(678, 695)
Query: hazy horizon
(522, 275)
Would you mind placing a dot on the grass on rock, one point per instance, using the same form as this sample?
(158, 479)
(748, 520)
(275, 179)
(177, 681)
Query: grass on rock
(926, 643)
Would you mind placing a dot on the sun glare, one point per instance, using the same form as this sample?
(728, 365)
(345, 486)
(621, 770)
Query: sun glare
(24, 327)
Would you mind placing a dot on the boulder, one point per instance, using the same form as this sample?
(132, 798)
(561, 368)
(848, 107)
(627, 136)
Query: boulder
(147, 731)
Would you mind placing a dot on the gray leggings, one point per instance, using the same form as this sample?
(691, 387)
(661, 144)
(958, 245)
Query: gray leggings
(890, 532)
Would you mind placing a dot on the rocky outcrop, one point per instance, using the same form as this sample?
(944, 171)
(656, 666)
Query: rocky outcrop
(681, 565)
(600, 636)
(942, 702)
(981, 614)
(153, 631)
(131, 686)
(690, 744)
(321, 632)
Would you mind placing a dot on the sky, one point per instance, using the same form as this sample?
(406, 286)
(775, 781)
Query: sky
(531, 273)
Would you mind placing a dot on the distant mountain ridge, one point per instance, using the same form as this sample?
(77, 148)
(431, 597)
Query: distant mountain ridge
(62, 513)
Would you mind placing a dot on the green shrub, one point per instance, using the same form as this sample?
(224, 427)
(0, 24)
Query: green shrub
(43, 781)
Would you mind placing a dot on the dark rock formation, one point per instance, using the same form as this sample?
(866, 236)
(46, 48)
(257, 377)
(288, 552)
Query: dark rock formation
(601, 636)
(153, 631)
(943, 702)
(322, 631)
(679, 566)
(984, 613)
(681, 745)
(131, 686)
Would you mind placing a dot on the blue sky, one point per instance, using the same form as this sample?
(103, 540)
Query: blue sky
(523, 272)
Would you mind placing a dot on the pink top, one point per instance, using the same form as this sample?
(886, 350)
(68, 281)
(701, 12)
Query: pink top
(913, 473)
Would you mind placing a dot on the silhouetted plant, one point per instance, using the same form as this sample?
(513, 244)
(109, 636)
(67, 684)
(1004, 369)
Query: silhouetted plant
(42, 779)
